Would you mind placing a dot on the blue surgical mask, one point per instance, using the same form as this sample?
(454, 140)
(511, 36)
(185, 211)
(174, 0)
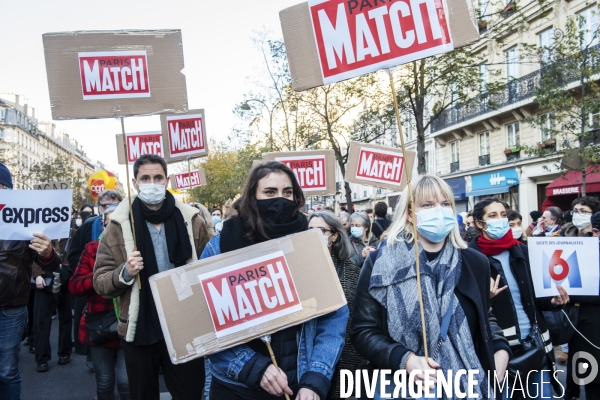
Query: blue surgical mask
(357, 231)
(216, 219)
(497, 228)
(434, 224)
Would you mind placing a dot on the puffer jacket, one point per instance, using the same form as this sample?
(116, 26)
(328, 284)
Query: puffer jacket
(16, 260)
(115, 244)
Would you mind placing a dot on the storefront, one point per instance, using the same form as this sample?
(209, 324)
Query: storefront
(459, 188)
(563, 190)
(503, 184)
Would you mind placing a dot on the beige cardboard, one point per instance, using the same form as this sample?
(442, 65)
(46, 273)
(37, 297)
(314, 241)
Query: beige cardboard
(301, 45)
(164, 52)
(121, 159)
(164, 128)
(329, 165)
(202, 173)
(61, 185)
(184, 314)
(352, 166)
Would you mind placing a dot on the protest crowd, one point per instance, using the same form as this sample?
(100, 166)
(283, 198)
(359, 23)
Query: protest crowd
(475, 280)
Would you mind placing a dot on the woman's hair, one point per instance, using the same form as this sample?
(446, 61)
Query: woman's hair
(362, 218)
(512, 215)
(246, 205)
(479, 209)
(424, 187)
(341, 246)
(556, 214)
(86, 205)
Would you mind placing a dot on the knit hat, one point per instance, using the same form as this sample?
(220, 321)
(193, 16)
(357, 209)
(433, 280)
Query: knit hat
(596, 221)
(5, 177)
(535, 215)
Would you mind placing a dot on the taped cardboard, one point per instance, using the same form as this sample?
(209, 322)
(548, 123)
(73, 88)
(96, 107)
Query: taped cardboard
(334, 40)
(314, 169)
(107, 74)
(181, 180)
(379, 166)
(139, 143)
(184, 135)
(187, 320)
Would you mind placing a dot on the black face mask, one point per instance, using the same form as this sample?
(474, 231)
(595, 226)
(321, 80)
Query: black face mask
(276, 211)
(471, 231)
(85, 215)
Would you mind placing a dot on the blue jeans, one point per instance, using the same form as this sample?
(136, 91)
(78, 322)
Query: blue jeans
(109, 363)
(12, 324)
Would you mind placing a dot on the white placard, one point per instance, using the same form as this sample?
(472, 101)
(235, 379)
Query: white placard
(24, 212)
(572, 262)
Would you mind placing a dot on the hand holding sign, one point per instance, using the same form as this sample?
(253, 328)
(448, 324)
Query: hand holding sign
(41, 244)
(562, 298)
(135, 263)
(275, 382)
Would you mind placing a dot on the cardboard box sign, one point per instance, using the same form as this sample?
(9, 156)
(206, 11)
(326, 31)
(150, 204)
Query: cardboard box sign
(139, 143)
(107, 74)
(185, 135)
(314, 169)
(380, 166)
(181, 180)
(232, 298)
(61, 185)
(334, 40)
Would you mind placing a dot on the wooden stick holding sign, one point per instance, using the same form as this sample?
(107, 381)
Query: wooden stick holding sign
(139, 282)
(267, 340)
(190, 178)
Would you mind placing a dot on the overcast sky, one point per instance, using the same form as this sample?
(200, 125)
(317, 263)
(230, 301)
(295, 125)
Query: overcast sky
(217, 45)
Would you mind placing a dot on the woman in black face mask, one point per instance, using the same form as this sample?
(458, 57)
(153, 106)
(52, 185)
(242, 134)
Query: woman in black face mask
(306, 354)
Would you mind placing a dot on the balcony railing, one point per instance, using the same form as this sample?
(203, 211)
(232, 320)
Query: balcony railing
(484, 160)
(454, 166)
(515, 91)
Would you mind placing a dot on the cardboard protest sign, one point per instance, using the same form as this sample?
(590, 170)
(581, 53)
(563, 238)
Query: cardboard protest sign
(139, 143)
(185, 135)
(22, 214)
(181, 180)
(568, 261)
(334, 40)
(107, 74)
(314, 169)
(230, 299)
(52, 185)
(380, 166)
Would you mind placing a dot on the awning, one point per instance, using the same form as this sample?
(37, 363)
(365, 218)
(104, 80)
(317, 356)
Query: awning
(485, 192)
(570, 183)
(562, 202)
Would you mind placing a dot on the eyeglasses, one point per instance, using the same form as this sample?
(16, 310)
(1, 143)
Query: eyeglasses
(323, 230)
(582, 212)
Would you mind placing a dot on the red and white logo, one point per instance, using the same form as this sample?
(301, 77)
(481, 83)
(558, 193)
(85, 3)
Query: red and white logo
(97, 186)
(309, 170)
(355, 37)
(250, 293)
(186, 135)
(114, 74)
(182, 180)
(380, 166)
(144, 143)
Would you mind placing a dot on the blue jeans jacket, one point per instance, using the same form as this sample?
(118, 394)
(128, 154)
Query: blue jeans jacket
(320, 343)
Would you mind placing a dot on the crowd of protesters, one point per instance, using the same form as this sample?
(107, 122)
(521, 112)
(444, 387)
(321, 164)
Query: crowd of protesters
(480, 308)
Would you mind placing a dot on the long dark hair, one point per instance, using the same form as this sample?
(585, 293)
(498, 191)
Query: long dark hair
(341, 247)
(246, 205)
(480, 207)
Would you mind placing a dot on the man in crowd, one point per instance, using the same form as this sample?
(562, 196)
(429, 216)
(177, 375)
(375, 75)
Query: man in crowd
(345, 220)
(380, 224)
(168, 234)
(16, 258)
(369, 212)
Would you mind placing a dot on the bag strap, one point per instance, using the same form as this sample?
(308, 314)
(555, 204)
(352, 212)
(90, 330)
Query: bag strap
(446, 319)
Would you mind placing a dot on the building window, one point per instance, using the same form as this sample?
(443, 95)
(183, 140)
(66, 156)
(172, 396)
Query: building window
(484, 77)
(546, 122)
(427, 159)
(512, 63)
(545, 43)
(454, 151)
(512, 135)
(483, 9)
(588, 24)
(2, 113)
(484, 143)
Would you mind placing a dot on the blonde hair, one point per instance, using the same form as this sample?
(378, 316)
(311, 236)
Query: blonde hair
(425, 187)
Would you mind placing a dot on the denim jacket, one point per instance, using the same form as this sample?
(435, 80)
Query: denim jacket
(320, 344)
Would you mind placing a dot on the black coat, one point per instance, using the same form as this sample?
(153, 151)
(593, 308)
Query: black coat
(370, 334)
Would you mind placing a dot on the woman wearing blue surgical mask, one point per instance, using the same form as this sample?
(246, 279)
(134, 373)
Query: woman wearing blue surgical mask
(361, 239)
(517, 310)
(387, 326)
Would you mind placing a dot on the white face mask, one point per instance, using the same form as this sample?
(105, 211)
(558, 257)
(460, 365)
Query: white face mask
(78, 222)
(581, 220)
(326, 240)
(517, 232)
(152, 193)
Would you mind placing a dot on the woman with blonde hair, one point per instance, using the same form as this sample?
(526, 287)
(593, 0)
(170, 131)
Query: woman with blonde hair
(455, 282)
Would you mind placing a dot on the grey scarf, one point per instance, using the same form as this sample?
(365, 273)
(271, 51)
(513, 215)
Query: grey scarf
(394, 285)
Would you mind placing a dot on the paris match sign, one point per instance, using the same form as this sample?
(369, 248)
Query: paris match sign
(314, 169)
(181, 181)
(139, 143)
(107, 74)
(232, 298)
(185, 135)
(380, 166)
(568, 261)
(334, 40)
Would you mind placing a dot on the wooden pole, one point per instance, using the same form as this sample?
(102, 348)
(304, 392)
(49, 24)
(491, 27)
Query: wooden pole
(190, 179)
(267, 340)
(139, 282)
(411, 206)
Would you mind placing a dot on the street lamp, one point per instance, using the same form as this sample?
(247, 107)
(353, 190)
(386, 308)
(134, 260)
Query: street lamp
(246, 107)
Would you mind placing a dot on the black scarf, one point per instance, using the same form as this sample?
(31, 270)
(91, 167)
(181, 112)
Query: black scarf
(233, 234)
(148, 329)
